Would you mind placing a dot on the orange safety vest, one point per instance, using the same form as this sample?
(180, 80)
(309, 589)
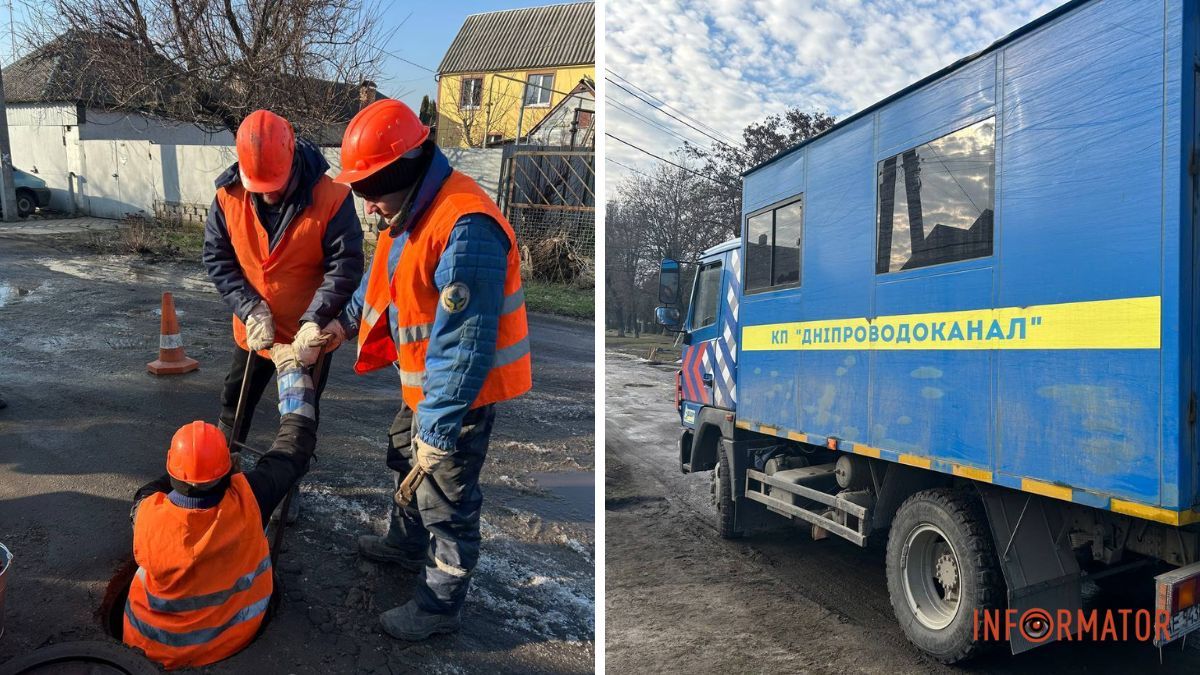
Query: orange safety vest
(288, 276)
(203, 581)
(412, 291)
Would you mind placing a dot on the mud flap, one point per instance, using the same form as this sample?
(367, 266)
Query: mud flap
(1040, 570)
(747, 515)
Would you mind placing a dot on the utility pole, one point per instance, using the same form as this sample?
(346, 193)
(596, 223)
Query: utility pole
(8, 195)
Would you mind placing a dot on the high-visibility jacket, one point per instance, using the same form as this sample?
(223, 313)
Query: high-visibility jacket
(203, 581)
(288, 276)
(412, 290)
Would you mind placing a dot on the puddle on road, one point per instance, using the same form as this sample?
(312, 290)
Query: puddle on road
(120, 269)
(575, 492)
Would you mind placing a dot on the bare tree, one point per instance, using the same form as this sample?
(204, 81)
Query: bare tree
(477, 118)
(212, 62)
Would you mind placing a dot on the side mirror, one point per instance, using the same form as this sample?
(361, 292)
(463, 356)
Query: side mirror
(669, 318)
(668, 282)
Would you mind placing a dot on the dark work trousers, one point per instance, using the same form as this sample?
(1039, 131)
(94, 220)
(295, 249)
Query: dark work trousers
(262, 371)
(443, 519)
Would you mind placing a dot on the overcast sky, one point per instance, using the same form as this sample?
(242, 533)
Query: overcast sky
(727, 63)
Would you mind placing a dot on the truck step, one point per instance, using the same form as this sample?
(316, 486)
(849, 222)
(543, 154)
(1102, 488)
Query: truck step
(776, 492)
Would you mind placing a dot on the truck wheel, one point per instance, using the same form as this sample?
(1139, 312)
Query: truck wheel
(941, 567)
(723, 497)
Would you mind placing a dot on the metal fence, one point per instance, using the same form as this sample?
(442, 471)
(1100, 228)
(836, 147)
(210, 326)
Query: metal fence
(550, 192)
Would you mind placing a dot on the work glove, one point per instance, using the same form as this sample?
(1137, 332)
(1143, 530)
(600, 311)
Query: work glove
(429, 457)
(260, 328)
(309, 341)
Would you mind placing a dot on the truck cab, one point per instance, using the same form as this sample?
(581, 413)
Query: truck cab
(705, 384)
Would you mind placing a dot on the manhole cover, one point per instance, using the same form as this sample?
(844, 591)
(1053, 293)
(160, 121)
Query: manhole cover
(80, 658)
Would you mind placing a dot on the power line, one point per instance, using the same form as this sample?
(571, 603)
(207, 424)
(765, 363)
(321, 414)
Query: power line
(663, 104)
(630, 111)
(663, 159)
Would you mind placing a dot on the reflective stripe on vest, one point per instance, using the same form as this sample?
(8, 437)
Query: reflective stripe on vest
(207, 600)
(409, 291)
(199, 636)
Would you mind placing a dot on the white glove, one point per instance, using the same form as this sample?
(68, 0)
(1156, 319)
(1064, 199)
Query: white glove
(429, 457)
(285, 357)
(309, 341)
(260, 328)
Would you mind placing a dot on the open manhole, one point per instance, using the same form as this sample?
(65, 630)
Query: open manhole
(111, 612)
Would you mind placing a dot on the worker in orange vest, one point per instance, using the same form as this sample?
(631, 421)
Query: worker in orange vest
(443, 302)
(283, 245)
(204, 577)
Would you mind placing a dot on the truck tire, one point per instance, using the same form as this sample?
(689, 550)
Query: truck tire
(723, 497)
(941, 567)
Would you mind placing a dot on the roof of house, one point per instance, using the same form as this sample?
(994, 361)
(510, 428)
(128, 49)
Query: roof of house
(75, 68)
(70, 68)
(535, 37)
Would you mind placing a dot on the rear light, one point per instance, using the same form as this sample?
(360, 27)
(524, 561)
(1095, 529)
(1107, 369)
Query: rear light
(1184, 595)
(678, 389)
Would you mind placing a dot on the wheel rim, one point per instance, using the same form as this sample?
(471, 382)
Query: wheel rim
(932, 577)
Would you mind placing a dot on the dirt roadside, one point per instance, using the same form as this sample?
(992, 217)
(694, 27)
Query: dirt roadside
(678, 598)
(86, 425)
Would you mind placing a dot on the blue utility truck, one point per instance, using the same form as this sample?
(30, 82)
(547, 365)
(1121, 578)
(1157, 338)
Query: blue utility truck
(963, 322)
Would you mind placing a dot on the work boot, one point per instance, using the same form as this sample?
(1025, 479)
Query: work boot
(374, 547)
(409, 622)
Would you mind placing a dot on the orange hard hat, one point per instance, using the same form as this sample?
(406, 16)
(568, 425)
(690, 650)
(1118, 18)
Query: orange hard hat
(198, 454)
(377, 136)
(265, 146)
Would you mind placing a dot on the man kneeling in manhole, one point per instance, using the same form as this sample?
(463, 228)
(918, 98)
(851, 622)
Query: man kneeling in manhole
(204, 567)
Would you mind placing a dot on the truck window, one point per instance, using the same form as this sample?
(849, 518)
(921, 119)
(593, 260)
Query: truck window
(704, 300)
(935, 200)
(773, 243)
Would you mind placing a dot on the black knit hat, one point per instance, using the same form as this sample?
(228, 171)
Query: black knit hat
(399, 175)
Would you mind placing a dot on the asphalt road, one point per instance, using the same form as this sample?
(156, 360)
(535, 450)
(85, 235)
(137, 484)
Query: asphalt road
(86, 425)
(680, 599)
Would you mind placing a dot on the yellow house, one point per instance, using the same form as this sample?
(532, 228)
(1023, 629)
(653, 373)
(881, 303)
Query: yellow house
(506, 70)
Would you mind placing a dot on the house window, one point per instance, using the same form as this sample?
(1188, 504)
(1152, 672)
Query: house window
(495, 139)
(537, 90)
(472, 92)
(936, 200)
(773, 244)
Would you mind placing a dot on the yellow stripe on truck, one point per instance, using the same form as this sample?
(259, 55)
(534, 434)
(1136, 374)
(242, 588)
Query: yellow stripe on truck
(1126, 323)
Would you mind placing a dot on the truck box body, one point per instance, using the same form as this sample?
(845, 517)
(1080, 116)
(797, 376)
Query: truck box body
(1058, 360)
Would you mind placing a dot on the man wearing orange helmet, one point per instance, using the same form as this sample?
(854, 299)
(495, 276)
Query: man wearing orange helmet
(204, 576)
(443, 303)
(283, 245)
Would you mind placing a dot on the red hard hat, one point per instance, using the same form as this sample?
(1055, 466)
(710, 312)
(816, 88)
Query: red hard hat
(265, 146)
(198, 454)
(377, 136)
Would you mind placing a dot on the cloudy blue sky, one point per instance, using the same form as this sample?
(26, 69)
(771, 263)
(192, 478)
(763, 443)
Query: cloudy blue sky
(727, 63)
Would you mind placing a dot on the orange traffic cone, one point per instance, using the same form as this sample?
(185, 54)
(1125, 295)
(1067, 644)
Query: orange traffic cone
(171, 359)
